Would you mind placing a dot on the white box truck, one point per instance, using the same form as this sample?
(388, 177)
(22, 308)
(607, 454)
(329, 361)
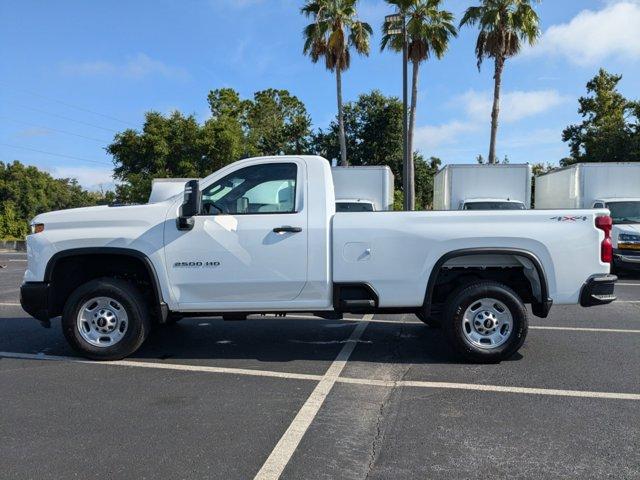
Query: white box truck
(164, 188)
(483, 187)
(615, 186)
(363, 189)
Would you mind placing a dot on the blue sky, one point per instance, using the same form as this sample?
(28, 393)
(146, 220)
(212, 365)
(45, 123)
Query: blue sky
(72, 73)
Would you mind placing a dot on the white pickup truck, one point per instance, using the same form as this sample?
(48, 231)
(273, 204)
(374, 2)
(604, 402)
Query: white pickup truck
(262, 236)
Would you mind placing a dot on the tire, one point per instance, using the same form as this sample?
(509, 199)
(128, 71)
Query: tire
(485, 322)
(106, 308)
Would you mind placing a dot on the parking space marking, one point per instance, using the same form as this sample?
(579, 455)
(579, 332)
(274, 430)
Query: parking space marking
(166, 366)
(584, 329)
(626, 284)
(286, 446)
(492, 388)
(9, 304)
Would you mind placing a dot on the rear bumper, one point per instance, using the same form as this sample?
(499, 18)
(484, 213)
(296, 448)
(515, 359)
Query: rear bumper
(34, 298)
(598, 290)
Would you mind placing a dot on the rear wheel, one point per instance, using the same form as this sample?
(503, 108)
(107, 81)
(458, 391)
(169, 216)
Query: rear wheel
(106, 319)
(485, 322)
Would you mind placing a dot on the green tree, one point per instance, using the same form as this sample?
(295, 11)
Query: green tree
(373, 131)
(335, 29)
(277, 123)
(429, 31)
(504, 25)
(273, 123)
(176, 145)
(168, 146)
(610, 131)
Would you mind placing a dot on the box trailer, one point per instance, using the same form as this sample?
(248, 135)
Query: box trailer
(614, 185)
(164, 188)
(483, 187)
(366, 188)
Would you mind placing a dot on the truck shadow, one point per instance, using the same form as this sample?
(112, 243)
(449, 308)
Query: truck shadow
(296, 344)
(285, 340)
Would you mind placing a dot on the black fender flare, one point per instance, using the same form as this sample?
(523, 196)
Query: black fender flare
(160, 305)
(540, 308)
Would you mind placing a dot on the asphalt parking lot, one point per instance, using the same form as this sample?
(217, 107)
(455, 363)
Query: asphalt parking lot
(299, 397)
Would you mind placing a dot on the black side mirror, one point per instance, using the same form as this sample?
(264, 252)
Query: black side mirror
(190, 206)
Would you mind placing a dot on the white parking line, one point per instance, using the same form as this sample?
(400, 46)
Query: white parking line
(9, 304)
(166, 366)
(492, 388)
(626, 284)
(281, 454)
(332, 372)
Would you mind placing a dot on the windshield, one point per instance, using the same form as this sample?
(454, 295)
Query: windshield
(353, 207)
(493, 206)
(625, 212)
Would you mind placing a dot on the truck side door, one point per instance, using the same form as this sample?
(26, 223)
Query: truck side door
(248, 248)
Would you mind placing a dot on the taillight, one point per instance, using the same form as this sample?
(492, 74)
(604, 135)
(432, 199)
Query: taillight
(605, 223)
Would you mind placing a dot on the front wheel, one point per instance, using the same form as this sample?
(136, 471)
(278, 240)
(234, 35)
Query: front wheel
(106, 319)
(486, 322)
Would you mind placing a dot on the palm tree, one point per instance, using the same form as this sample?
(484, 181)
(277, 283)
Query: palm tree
(429, 30)
(504, 25)
(334, 31)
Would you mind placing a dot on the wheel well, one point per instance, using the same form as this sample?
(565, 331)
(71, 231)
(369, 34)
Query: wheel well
(452, 278)
(521, 271)
(67, 273)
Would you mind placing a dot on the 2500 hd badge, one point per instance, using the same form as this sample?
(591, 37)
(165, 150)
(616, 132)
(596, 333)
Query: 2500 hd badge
(196, 264)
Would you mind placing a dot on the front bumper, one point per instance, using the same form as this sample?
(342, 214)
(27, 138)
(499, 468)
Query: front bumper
(626, 259)
(34, 298)
(598, 290)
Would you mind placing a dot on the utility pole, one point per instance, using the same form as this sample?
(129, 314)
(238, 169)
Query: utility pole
(397, 25)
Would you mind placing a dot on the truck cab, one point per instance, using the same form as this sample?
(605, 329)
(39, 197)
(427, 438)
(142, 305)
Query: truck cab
(491, 204)
(354, 205)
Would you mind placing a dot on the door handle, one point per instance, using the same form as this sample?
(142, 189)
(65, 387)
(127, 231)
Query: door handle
(287, 229)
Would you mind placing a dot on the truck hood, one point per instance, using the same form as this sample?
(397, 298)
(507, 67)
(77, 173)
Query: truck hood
(630, 228)
(102, 216)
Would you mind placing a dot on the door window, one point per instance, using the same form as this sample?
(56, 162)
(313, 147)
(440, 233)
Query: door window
(258, 189)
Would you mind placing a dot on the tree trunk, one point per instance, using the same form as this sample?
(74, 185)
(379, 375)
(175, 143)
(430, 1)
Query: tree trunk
(497, 82)
(412, 124)
(341, 136)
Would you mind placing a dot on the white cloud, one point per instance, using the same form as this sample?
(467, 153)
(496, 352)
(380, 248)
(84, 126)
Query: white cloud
(33, 132)
(593, 36)
(429, 137)
(89, 177)
(135, 67)
(514, 105)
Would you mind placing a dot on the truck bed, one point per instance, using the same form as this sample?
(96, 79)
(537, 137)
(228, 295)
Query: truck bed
(394, 252)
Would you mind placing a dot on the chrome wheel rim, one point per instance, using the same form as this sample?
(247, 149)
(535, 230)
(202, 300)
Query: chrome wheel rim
(102, 322)
(487, 323)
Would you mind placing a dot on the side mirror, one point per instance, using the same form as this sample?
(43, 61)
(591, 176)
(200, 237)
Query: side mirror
(190, 206)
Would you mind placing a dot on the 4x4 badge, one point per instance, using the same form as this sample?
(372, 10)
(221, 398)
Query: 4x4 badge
(568, 218)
